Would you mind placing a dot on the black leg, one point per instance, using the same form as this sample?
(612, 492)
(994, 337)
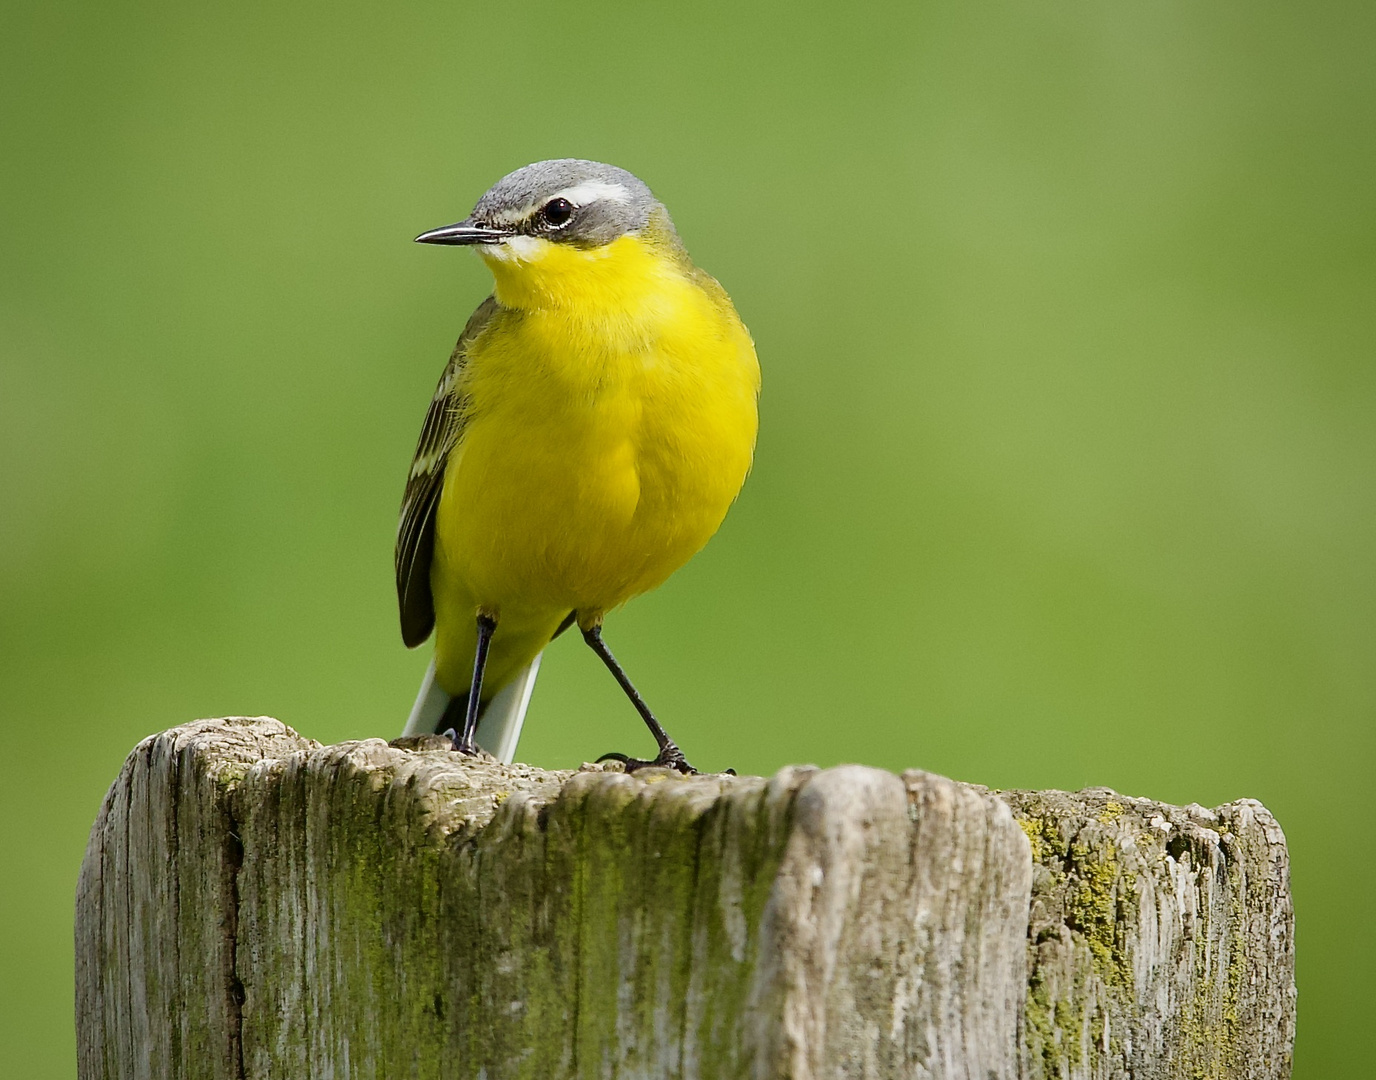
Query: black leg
(464, 742)
(670, 756)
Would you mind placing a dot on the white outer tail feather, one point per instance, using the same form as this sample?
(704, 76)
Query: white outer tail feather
(430, 704)
(499, 730)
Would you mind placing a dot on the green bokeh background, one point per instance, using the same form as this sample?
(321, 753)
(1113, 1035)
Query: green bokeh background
(1065, 473)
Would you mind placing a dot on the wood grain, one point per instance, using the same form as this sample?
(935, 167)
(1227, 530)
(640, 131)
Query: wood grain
(255, 905)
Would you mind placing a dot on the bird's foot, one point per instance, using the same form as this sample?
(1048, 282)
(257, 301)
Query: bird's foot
(470, 749)
(670, 757)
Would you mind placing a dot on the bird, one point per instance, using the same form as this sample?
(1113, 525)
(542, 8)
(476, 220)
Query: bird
(595, 421)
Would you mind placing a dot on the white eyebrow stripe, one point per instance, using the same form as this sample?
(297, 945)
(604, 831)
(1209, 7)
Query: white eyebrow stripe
(591, 191)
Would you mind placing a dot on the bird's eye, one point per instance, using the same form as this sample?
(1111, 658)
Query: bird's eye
(557, 212)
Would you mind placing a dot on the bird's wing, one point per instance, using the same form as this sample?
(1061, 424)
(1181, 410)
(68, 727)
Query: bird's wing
(441, 432)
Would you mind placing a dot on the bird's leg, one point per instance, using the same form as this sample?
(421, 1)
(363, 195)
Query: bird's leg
(464, 741)
(669, 756)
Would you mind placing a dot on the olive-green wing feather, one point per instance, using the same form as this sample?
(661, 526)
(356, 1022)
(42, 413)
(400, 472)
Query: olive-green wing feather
(441, 432)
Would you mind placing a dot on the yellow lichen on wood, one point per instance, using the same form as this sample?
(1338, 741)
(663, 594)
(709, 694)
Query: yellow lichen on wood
(253, 904)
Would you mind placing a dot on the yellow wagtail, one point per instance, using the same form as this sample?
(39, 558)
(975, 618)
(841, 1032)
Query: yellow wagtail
(593, 425)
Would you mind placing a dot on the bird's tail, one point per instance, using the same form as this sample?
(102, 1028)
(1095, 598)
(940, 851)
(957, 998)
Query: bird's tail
(499, 726)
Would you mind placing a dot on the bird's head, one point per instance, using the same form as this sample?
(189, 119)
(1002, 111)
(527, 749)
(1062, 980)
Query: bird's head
(553, 229)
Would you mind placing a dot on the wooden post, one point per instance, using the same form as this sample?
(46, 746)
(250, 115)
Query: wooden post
(255, 905)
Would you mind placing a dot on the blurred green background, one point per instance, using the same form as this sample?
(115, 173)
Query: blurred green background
(1069, 422)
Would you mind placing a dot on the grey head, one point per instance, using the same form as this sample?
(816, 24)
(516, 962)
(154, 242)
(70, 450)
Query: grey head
(565, 201)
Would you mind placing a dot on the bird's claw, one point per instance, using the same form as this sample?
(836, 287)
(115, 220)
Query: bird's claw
(453, 736)
(670, 757)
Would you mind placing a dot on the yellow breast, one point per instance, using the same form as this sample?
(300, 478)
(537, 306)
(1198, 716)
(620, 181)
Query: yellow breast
(611, 423)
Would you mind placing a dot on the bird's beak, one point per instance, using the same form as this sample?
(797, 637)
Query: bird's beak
(464, 232)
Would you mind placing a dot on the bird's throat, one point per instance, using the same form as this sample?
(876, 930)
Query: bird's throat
(625, 276)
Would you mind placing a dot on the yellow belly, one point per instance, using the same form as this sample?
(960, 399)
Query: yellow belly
(598, 458)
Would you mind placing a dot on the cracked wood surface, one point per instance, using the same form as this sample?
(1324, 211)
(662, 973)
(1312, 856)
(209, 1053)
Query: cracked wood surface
(253, 904)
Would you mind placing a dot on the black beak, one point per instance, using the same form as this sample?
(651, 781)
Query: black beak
(464, 232)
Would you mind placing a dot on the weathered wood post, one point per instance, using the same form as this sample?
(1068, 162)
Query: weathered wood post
(255, 905)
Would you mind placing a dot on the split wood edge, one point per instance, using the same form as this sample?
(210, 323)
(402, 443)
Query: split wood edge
(253, 904)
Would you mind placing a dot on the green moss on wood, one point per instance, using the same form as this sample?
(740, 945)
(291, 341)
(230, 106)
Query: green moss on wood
(1102, 905)
(1111, 812)
(415, 914)
(1044, 834)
